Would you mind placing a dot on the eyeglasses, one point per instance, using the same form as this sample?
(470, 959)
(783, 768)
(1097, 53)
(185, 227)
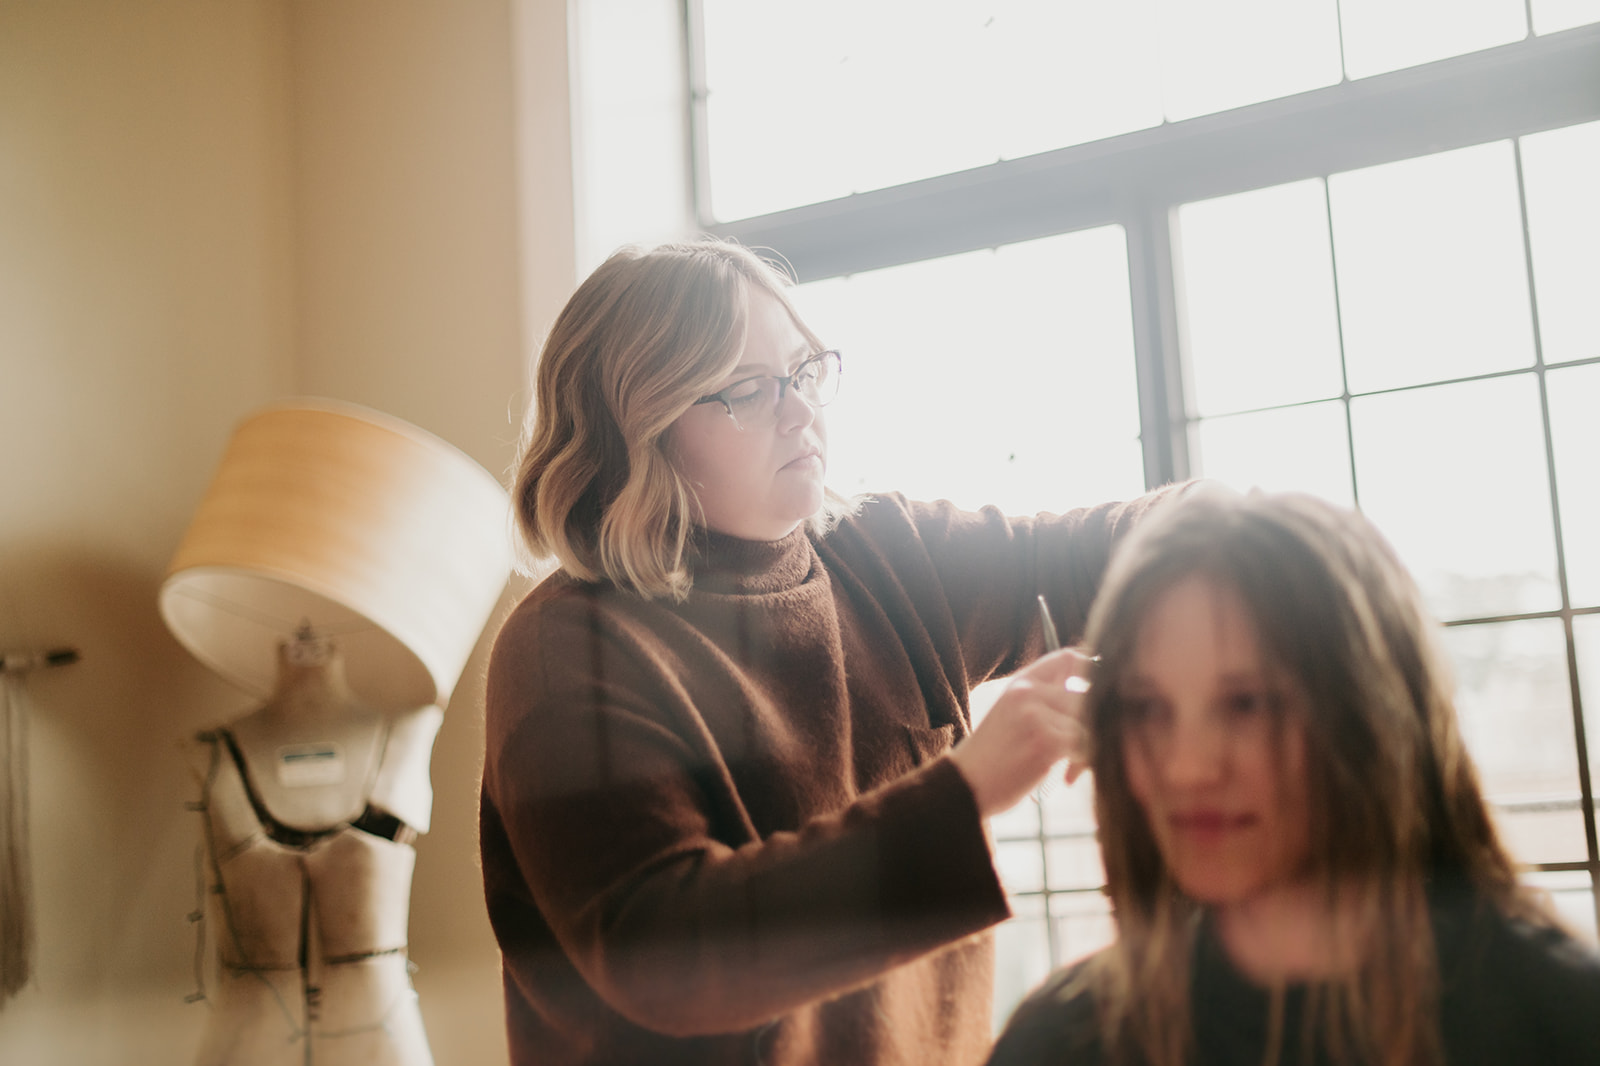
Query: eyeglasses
(754, 401)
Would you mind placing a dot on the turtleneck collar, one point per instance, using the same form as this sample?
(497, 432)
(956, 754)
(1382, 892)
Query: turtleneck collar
(727, 565)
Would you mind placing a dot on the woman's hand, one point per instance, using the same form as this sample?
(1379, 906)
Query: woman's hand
(1036, 722)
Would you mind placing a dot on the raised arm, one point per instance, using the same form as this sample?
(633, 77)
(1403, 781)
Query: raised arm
(619, 813)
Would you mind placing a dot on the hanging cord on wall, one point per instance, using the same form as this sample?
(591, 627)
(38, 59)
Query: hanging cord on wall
(16, 873)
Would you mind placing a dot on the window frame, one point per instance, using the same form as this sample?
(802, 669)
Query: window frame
(1138, 180)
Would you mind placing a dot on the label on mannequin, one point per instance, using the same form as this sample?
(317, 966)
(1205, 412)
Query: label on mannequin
(303, 765)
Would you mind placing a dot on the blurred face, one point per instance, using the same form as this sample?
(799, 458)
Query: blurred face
(1212, 750)
(757, 481)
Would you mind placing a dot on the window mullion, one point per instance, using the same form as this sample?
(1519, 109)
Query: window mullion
(1163, 410)
(698, 149)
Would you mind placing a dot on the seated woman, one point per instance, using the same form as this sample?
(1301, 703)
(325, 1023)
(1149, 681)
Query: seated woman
(1298, 852)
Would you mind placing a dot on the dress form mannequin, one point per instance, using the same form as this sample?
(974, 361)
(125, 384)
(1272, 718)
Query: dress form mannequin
(310, 804)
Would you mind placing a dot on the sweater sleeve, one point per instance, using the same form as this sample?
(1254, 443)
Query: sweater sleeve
(621, 835)
(992, 567)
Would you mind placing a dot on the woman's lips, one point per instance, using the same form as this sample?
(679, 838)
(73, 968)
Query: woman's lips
(802, 461)
(1208, 824)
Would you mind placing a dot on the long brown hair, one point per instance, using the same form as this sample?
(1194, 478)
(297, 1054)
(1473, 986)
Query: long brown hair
(1395, 799)
(643, 337)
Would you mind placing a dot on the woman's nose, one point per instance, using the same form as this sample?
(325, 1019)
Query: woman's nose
(1195, 754)
(794, 411)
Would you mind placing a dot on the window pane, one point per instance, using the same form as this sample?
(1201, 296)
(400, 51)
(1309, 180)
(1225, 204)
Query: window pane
(1455, 477)
(774, 102)
(997, 377)
(815, 100)
(1020, 865)
(1575, 430)
(1552, 15)
(1066, 811)
(1256, 293)
(1516, 715)
(1228, 53)
(1432, 282)
(1305, 449)
(1083, 924)
(1022, 955)
(917, 103)
(1061, 74)
(1382, 35)
(1072, 852)
(1074, 862)
(1572, 893)
(1019, 823)
(1561, 179)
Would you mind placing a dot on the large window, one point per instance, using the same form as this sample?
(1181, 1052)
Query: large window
(1351, 248)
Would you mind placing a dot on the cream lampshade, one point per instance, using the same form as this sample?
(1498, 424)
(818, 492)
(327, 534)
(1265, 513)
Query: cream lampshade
(374, 533)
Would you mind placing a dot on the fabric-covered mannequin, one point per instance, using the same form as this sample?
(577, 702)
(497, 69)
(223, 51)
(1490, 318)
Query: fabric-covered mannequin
(309, 805)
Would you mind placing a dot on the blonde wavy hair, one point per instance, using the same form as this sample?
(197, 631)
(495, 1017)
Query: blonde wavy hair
(1396, 803)
(643, 337)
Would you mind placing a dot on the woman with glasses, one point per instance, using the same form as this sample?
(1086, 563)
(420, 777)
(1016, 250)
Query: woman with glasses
(733, 805)
(1298, 852)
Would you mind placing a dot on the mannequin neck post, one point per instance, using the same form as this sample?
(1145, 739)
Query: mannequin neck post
(311, 679)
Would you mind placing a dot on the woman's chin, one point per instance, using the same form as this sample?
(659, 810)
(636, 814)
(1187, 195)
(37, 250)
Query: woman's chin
(804, 500)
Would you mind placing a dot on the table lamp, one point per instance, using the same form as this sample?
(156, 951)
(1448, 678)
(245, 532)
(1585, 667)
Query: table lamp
(357, 525)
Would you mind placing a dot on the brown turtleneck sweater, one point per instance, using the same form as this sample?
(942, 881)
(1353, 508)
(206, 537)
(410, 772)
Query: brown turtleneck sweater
(721, 831)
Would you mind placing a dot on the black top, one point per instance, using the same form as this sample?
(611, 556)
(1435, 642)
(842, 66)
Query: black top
(1510, 992)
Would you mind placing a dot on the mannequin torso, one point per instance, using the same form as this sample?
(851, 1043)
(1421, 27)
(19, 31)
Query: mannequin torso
(310, 804)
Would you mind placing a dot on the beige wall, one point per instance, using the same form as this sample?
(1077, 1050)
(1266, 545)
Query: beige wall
(205, 207)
